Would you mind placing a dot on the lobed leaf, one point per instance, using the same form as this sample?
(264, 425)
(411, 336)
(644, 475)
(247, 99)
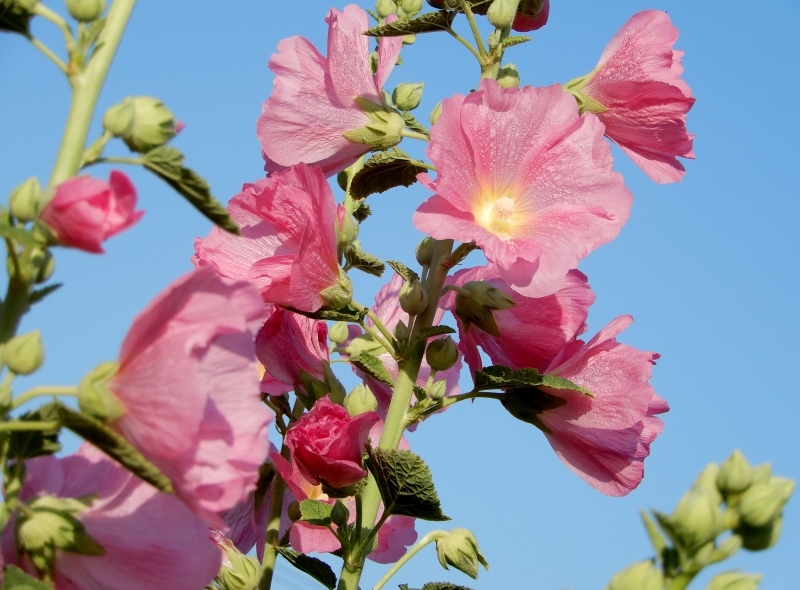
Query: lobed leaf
(384, 171)
(372, 366)
(425, 23)
(413, 124)
(345, 314)
(315, 512)
(363, 261)
(405, 272)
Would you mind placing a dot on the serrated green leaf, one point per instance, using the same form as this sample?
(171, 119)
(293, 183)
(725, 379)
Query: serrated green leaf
(425, 23)
(405, 483)
(315, 512)
(15, 579)
(502, 377)
(15, 17)
(38, 294)
(362, 212)
(345, 314)
(363, 261)
(430, 332)
(27, 444)
(316, 568)
(384, 171)
(515, 40)
(413, 124)
(436, 586)
(405, 272)
(167, 163)
(114, 445)
(372, 366)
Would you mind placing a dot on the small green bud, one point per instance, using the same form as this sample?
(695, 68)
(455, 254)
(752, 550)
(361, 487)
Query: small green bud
(707, 481)
(346, 228)
(366, 344)
(437, 390)
(384, 129)
(142, 122)
(434, 116)
(238, 572)
(338, 332)
(339, 295)
(734, 581)
(409, 39)
(25, 354)
(94, 396)
(401, 332)
(696, 519)
(760, 538)
(508, 76)
(294, 512)
(38, 264)
(442, 353)
(424, 251)
(23, 203)
(502, 12)
(761, 473)
(86, 11)
(475, 302)
(762, 503)
(411, 6)
(407, 95)
(460, 550)
(413, 298)
(494, 38)
(385, 7)
(360, 401)
(340, 514)
(118, 119)
(643, 575)
(734, 474)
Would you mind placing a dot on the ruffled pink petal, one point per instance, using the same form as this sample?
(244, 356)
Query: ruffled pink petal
(394, 537)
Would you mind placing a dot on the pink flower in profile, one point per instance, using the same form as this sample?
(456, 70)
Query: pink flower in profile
(288, 242)
(287, 344)
(85, 211)
(327, 444)
(188, 382)
(314, 103)
(637, 93)
(527, 179)
(531, 15)
(151, 539)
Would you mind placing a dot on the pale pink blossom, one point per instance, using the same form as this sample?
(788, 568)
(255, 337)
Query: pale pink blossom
(85, 211)
(151, 539)
(288, 242)
(527, 179)
(189, 385)
(313, 102)
(531, 15)
(637, 81)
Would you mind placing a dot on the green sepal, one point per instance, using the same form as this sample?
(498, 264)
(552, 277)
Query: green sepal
(27, 444)
(405, 484)
(384, 171)
(316, 568)
(425, 23)
(315, 512)
(657, 540)
(38, 294)
(24, 237)
(413, 124)
(515, 40)
(363, 261)
(348, 313)
(372, 366)
(405, 272)
(16, 15)
(15, 579)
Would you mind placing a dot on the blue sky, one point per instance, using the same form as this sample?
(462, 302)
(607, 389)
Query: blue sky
(707, 267)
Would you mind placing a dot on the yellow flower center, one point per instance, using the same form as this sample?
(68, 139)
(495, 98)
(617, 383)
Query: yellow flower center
(499, 216)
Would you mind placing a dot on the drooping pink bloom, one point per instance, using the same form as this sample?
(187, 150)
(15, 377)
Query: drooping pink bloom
(313, 103)
(287, 344)
(531, 15)
(288, 242)
(637, 81)
(85, 211)
(527, 179)
(151, 539)
(188, 381)
(327, 444)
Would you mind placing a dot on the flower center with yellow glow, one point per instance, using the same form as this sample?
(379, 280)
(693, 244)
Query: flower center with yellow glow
(498, 216)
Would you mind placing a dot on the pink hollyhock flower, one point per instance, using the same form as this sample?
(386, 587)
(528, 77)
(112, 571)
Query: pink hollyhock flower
(327, 444)
(151, 539)
(313, 104)
(527, 179)
(287, 344)
(85, 211)
(637, 93)
(531, 15)
(188, 382)
(288, 242)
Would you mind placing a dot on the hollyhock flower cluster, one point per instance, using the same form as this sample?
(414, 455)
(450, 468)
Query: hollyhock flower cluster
(150, 539)
(527, 179)
(637, 92)
(315, 101)
(288, 242)
(188, 383)
(85, 211)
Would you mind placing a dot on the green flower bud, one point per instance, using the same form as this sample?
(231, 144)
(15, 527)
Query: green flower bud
(762, 503)
(761, 474)
(366, 344)
(707, 481)
(434, 116)
(643, 575)
(442, 354)
(585, 102)
(411, 6)
(37, 264)
(25, 354)
(385, 7)
(424, 251)
(338, 295)
(142, 122)
(293, 511)
(475, 302)
(338, 332)
(734, 474)
(407, 95)
(346, 229)
(94, 396)
(238, 572)
(360, 401)
(460, 550)
(384, 129)
(340, 514)
(508, 76)
(502, 12)
(409, 39)
(734, 581)
(86, 11)
(23, 203)
(401, 332)
(413, 298)
(118, 119)
(760, 538)
(437, 389)
(696, 519)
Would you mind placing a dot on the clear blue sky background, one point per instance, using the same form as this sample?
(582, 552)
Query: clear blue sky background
(707, 267)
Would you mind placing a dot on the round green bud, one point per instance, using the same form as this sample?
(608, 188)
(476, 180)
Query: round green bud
(346, 229)
(502, 12)
(413, 298)
(25, 354)
(360, 401)
(761, 473)
(411, 6)
(238, 571)
(643, 575)
(508, 76)
(118, 119)
(401, 332)
(340, 294)
(460, 550)
(340, 514)
(338, 332)
(23, 203)
(435, 113)
(142, 122)
(407, 95)
(734, 581)
(734, 474)
(294, 511)
(696, 519)
(442, 354)
(760, 538)
(762, 503)
(38, 264)
(424, 251)
(707, 481)
(385, 7)
(94, 396)
(86, 11)
(437, 389)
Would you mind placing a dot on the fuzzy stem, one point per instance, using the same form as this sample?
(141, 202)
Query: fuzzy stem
(45, 390)
(466, 44)
(27, 426)
(474, 26)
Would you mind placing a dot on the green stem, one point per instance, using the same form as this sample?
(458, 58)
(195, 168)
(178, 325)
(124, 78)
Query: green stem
(363, 548)
(55, 18)
(474, 26)
(27, 426)
(116, 160)
(414, 135)
(427, 539)
(45, 390)
(466, 44)
(491, 67)
(423, 165)
(48, 52)
(14, 306)
(681, 582)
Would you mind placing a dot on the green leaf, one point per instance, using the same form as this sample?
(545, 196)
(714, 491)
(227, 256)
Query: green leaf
(21, 235)
(436, 586)
(38, 294)
(405, 484)
(316, 568)
(362, 212)
(28, 444)
(345, 314)
(515, 40)
(167, 163)
(316, 512)
(413, 124)
(372, 366)
(425, 23)
(15, 17)
(357, 258)
(15, 579)
(502, 377)
(405, 272)
(114, 445)
(384, 171)
(657, 540)
(430, 332)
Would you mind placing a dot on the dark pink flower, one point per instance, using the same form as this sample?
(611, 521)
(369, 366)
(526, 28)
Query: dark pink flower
(527, 179)
(288, 242)
(637, 83)
(314, 103)
(531, 15)
(327, 444)
(188, 381)
(151, 539)
(85, 211)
